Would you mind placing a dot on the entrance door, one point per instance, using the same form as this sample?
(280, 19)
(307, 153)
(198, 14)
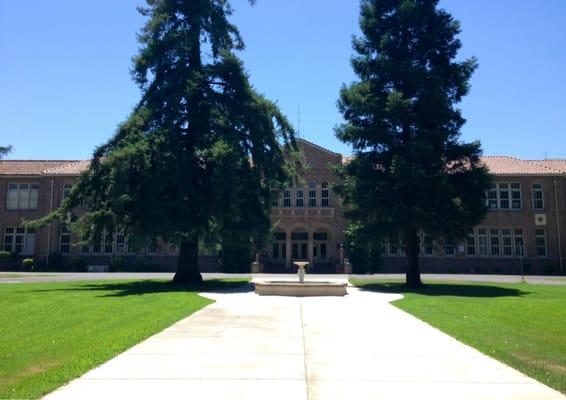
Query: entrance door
(299, 250)
(320, 249)
(299, 245)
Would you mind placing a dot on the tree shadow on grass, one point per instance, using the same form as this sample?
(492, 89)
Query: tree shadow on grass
(137, 288)
(445, 289)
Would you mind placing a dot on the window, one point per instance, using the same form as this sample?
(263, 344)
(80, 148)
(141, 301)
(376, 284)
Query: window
(492, 197)
(85, 246)
(172, 248)
(22, 196)
(108, 243)
(324, 195)
(494, 241)
(287, 197)
(153, 247)
(276, 251)
(19, 240)
(64, 241)
(426, 245)
(320, 236)
(120, 243)
(471, 244)
(299, 199)
(300, 236)
(275, 198)
(279, 236)
(519, 242)
(312, 194)
(66, 190)
(482, 241)
(507, 242)
(516, 202)
(540, 240)
(393, 248)
(538, 197)
(97, 246)
(449, 247)
(504, 196)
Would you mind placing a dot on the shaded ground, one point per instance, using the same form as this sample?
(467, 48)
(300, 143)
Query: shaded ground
(53, 332)
(523, 325)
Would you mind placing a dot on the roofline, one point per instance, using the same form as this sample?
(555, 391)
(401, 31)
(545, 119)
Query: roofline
(319, 147)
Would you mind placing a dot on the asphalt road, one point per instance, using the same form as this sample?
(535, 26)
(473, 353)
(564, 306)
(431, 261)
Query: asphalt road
(17, 277)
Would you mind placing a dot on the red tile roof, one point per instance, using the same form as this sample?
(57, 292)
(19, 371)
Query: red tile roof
(557, 164)
(42, 167)
(505, 165)
(72, 168)
(497, 165)
(28, 167)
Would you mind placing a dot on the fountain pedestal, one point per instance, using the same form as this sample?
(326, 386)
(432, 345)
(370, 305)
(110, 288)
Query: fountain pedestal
(301, 287)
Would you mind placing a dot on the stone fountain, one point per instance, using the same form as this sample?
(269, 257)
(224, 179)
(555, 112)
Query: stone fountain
(300, 288)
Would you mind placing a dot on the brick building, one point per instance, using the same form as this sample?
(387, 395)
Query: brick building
(526, 223)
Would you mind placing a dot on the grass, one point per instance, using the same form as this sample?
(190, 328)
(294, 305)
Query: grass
(522, 325)
(51, 333)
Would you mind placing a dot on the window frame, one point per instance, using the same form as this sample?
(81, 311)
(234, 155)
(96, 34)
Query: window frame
(31, 189)
(541, 233)
(537, 188)
(324, 194)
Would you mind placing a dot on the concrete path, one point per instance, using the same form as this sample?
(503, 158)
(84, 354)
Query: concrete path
(250, 347)
(22, 277)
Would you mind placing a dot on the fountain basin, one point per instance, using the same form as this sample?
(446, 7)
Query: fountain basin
(308, 288)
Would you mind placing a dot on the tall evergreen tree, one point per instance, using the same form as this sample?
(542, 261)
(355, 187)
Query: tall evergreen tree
(4, 150)
(411, 173)
(164, 173)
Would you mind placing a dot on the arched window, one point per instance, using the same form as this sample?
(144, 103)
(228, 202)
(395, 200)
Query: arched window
(312, 194)
(300, 197)
(538, 197)
(324, 195)
(287, 197)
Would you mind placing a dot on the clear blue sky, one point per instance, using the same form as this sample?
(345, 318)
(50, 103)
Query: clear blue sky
(65, 83)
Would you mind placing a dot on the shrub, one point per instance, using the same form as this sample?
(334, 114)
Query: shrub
(56, 262)
(77, 265)
(118, 264)
(4, 255)
(27, 263)
(549, 268)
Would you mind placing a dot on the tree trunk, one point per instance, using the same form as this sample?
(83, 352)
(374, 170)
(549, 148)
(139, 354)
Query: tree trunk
(413, 276)
(187, 268)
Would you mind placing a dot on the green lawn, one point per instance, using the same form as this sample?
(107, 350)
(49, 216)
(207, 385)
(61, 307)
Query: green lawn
(51, 333)
(522, 325)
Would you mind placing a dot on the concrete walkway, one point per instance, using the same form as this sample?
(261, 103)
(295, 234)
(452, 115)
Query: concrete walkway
(250, 347)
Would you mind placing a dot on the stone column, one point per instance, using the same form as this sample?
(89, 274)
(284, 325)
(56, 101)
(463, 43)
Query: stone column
(310, 249)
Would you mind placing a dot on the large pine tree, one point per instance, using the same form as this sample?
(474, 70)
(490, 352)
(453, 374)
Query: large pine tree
(201, 151)
(411, 174)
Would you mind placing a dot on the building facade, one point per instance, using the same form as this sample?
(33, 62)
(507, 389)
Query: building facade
(525, 227)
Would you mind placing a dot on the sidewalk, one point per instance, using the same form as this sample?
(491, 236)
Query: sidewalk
(250, 347)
